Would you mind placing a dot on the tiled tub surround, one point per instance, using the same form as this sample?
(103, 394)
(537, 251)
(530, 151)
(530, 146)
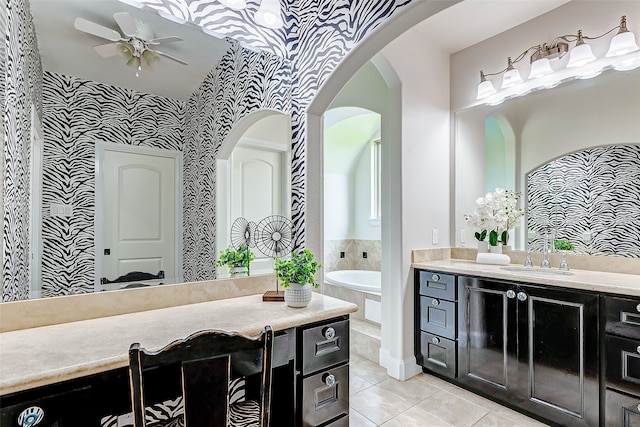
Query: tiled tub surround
(353, 250)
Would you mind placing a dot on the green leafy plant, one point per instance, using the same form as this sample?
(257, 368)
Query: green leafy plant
(236, 258)
(300, 268)
(563, 245)
(480, 236)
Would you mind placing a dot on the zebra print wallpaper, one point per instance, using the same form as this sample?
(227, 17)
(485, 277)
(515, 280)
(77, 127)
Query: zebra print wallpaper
(594, 191)
(242, 82)
(295, 62)
(77, 114)
(22, 89)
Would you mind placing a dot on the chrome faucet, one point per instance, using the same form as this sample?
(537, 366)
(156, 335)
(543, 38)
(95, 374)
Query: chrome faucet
(545, 260)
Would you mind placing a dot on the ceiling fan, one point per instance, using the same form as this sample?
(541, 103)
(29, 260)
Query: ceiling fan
(138, 44)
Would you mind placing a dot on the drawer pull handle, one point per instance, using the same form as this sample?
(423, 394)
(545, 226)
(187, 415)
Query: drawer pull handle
(511, 294)
(329, 333)
(435, 302)
(329, 380)
(522, 296)
(436, 277)
(435, 340)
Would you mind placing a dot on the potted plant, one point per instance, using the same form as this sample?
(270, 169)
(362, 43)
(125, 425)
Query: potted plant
(297, 275)
(237, 260)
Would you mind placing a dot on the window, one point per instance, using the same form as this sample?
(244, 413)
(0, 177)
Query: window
(376, 152)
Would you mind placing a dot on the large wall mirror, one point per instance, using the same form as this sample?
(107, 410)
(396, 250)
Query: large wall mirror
(552, 146)
(99, 111)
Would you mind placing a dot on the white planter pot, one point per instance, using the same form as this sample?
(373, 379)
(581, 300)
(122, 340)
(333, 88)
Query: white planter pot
(297, 295)
(495, 249)
(483, 247)
(238, 271)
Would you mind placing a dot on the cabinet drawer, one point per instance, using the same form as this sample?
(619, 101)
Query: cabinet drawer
(622, 317)
(325, 345)
(437, 285)
(623, 364)
(342, 422)
(438, 317)
(324, 399)
(438, 354)
(622, 410)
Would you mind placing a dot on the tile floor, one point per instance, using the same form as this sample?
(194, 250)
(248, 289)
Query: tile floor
(423, 401)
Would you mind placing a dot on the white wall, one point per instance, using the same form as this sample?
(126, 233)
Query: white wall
(417, 182)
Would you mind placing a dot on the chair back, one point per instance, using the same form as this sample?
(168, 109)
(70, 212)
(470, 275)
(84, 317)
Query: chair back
(204, 364)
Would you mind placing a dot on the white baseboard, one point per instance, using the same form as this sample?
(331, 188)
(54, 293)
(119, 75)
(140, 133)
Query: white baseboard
(400, 369)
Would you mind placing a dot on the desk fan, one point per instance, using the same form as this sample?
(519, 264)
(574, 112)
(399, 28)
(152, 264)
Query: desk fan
(274, 238)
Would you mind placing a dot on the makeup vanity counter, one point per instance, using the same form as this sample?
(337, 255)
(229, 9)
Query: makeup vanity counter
(46, 356)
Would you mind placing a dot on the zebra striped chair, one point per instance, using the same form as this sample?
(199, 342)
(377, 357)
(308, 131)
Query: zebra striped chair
(205, 363)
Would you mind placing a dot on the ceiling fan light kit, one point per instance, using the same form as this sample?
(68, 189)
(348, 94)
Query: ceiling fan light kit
(136, 44)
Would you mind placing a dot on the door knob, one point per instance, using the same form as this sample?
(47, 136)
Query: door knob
(522, 296)
(511, 294)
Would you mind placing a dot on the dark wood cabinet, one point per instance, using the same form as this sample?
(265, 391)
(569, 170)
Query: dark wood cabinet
(310, 386)
(621, 364)
(533, 346)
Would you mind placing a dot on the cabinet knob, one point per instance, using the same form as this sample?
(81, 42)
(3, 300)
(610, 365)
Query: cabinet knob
(522, 296)
(436, 277)
(435, 302)
(329, 380)
(435, 340)
(329, 333)
(638, 349)
(638, 308)
(638, 407)
(511, 294)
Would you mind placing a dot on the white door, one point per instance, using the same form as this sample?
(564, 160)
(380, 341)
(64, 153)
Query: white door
(138, 203)
(257, 191)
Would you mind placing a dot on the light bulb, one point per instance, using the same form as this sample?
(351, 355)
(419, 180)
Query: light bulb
(268, 14)
(539, 68)
(485, 87)
(581, 54)
(624, 42)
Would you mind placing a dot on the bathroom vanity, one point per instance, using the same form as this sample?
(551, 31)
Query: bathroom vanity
(76, 372)
(564, 348)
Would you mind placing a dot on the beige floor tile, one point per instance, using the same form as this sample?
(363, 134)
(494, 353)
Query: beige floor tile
(378, 405)
(368, 370)
(356, 419)
(413, 391)
(517, 417)
(415, 417)
(492, 419)
(454, 410)
(357, 383)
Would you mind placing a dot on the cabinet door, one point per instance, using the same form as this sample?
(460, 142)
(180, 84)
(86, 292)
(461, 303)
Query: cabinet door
(558, 363)
(487, 341)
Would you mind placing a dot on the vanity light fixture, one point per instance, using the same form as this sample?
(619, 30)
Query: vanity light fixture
(623, 55)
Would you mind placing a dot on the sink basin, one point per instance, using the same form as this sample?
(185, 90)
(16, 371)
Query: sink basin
(538, 271)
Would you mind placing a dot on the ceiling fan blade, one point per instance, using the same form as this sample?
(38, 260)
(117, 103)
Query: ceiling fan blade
(173, 58)
(108, 50)
(168, 39)
(96, 29)
(126, 23)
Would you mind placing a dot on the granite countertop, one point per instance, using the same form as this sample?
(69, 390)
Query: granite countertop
(598, 281)
(45, 355)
